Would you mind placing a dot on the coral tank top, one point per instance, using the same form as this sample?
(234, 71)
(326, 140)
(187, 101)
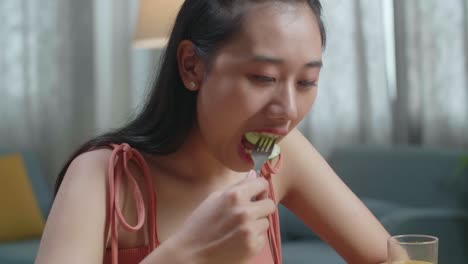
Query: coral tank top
(118, 167)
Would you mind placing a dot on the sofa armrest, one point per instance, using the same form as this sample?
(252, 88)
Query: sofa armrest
(402, 218)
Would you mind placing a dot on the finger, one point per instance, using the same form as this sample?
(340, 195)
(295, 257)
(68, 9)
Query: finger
(262, 208)
(251, 188)
(263, 195)
(251, 175)
(260, 226)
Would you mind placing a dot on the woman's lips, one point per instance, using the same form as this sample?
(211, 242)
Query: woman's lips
(246, 144)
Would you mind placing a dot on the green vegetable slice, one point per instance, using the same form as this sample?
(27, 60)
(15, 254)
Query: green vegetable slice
(253, 137)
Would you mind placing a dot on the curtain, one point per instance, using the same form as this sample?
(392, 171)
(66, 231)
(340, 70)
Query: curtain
(358, 101)
(433, 72)
(354, 101)
(67, 73)
(46, 78)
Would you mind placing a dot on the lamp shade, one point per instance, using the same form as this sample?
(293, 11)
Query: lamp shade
(155, 19)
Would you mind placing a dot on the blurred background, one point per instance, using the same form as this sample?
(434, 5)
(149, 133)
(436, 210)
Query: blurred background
(393, 93)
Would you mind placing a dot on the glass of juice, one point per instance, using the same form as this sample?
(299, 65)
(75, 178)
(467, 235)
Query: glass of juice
(413, 249)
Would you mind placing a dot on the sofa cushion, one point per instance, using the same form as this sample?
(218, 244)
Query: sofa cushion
(41, 189)
(411, 176)
(21, 216)
(20, 252)
(310, 252)
(381, 208)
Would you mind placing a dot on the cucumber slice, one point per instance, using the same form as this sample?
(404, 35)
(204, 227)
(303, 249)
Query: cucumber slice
(275, 153)
(253, 137)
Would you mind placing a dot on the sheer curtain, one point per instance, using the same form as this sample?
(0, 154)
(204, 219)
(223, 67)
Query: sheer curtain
(46, 82)
(358, 101)
(354, 102)
(432, 39)
(67, 73)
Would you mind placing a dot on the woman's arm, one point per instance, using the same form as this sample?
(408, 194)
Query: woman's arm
(74, 228)
(321, 199)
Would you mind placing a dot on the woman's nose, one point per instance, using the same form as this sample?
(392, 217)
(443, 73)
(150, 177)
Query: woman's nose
(284, 104)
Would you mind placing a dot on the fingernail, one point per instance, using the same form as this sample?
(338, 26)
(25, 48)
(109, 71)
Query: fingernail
(252, 175)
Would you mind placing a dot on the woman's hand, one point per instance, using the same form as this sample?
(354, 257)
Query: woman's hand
(228, 226)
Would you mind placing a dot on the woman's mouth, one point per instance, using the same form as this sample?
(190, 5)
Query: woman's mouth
(247, 146)
(250, 139)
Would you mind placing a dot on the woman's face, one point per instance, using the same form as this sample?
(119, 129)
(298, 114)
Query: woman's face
(263, 80)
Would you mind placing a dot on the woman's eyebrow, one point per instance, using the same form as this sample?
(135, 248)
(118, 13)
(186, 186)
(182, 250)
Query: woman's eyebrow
(272, 60)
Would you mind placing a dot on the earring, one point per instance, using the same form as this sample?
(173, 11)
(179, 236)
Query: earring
(192, 85)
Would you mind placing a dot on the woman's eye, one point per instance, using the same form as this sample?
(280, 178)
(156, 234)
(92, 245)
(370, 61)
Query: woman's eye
(262, 78)
(308, 83)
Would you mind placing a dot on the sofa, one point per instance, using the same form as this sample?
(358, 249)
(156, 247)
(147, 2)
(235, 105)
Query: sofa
(409, 189)
(23, 248)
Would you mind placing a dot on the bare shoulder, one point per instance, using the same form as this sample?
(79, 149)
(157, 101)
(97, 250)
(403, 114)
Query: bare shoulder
(85, 177)
(74, 228)
(87, 167)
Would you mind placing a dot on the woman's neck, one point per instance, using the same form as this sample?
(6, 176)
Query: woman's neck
(193, 163)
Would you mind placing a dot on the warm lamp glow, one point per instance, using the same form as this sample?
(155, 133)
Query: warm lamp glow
(155, 19)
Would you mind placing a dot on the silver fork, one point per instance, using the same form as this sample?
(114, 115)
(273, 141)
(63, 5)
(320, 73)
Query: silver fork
(261, 151)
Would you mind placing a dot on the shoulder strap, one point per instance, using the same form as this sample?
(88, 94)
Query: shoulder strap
(274, 230)
(118, 167)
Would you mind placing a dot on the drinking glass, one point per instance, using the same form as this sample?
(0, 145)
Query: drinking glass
(413, 249)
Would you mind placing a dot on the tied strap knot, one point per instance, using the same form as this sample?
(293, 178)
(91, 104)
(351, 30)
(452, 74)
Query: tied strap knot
(269, 168)
(118, 167)
(125, 147)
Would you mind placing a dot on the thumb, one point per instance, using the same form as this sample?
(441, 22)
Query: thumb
(251, 175)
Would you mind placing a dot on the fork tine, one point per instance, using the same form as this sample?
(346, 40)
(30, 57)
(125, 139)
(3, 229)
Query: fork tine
(267, 145)
(264, 144)
(259, 143)
(262, 149)
(271, 145)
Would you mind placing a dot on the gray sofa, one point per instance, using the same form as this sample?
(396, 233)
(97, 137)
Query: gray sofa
(409, 189)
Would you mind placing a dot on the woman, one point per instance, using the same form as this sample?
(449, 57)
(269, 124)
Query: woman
(231, 67)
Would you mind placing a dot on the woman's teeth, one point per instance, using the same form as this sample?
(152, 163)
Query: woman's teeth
(247, 146)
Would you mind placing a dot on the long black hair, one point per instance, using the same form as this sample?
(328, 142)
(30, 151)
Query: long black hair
(169, 112)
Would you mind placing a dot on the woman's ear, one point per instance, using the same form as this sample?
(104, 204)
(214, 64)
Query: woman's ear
(191, 68)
